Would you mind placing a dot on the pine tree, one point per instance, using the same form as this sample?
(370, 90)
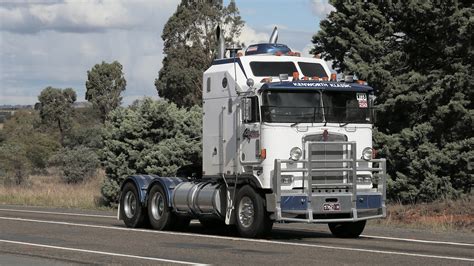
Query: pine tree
(418, 56)
(190, 46)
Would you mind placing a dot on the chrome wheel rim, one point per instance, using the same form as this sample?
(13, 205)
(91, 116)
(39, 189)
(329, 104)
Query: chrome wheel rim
(246, 212)
(130, 204)
(157, 206)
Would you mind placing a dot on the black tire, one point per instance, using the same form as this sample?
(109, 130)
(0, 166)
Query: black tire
(252, 219)
(347, 229)
(160, 214)
(131, 210)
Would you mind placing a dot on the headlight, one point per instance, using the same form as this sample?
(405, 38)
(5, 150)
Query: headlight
(295, 153)
(367, 153)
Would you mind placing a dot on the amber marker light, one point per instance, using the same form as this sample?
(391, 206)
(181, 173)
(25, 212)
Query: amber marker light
(296, 75)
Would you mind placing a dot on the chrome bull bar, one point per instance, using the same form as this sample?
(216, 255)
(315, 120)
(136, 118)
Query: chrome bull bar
(354, 209)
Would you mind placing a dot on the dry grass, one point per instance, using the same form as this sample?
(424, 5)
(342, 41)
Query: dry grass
(445, 215)
(51, 191)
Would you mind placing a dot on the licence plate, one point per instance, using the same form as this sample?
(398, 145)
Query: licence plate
(331, 207)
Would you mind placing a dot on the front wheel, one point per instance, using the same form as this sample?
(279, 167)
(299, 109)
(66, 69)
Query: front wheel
(253, 221)
(347, 229)
(131, 209)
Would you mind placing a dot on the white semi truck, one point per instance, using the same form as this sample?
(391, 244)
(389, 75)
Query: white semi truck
(283, 141)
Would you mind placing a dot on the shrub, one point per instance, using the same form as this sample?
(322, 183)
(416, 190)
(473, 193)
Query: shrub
(153, 137)
(76, 164)
(14, 163)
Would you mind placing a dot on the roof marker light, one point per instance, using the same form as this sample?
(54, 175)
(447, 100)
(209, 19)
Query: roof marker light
(325, 78)
(333, 77)
(266, 80)
(315, 78)
(305, 78)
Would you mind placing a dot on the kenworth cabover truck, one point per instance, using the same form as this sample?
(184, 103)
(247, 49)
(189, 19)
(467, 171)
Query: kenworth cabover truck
(283, 141)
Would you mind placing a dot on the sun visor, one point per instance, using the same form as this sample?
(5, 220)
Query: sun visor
(315, 85)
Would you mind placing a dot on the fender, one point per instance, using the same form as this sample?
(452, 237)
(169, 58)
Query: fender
(145, 182)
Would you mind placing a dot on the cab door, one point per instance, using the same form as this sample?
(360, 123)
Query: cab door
(249, 133)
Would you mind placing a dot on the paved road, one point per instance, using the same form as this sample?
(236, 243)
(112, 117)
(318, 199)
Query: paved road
(43, 236)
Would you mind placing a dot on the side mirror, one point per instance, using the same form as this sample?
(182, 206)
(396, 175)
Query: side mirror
(246, 110)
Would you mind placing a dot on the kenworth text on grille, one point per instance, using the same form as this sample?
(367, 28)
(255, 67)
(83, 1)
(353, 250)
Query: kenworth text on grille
(283, 140)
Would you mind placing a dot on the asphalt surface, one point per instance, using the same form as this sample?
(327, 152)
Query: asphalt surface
(42, 236)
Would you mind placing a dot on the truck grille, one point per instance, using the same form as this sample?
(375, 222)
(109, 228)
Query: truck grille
(328, 151)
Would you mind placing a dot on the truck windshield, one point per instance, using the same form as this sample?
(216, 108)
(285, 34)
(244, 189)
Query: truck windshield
(315, 107)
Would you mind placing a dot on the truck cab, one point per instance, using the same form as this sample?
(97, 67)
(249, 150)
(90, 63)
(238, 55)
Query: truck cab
(281, 122)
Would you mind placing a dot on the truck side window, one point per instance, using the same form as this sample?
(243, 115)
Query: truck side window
(250, 110)
(208, 84)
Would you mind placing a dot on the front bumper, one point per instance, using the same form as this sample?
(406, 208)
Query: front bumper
(334, 202)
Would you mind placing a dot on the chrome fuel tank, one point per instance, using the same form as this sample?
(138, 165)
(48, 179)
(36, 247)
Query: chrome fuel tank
(199, 198)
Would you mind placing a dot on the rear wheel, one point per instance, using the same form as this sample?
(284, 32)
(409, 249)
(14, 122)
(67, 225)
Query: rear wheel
(347, 229)
(252, 218)
(160, 215)
(131, 209)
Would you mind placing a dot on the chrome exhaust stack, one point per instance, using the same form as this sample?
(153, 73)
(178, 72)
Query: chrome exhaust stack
(220, 43)
(274, 36)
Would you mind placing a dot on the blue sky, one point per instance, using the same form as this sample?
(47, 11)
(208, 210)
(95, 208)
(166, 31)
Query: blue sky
(54, 42)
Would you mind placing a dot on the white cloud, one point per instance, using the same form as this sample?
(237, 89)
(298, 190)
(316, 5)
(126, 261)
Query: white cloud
(251, 36)
(306, 50)
(78, 16)
(41, 46)
(321, 8)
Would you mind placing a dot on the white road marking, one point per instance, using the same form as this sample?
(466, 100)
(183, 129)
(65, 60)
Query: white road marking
(60, 213)
(197, 222)
(419, 240)
(243, 239)
(100, 252)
